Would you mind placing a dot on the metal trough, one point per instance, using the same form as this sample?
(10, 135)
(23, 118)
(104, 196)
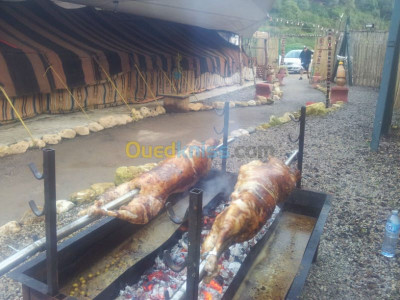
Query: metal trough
(77, 253)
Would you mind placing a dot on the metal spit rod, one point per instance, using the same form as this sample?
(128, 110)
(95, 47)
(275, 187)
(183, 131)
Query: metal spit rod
(292, 157)
(39, 245)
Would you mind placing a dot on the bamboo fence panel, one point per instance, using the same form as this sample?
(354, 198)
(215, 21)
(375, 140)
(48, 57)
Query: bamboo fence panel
(273, 51)
(320, 57)
(367, 50)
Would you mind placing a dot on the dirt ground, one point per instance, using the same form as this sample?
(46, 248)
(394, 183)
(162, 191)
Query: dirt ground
(86, 160)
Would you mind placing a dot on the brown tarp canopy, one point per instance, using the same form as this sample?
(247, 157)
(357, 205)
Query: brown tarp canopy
(76, 42)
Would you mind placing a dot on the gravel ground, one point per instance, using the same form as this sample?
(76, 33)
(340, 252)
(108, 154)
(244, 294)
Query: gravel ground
(365, 187)
(337, 160)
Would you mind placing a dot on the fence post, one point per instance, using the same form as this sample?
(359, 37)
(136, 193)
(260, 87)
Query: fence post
(384, 107)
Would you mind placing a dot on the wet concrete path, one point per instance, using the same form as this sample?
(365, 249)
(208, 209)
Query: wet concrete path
(86, 160)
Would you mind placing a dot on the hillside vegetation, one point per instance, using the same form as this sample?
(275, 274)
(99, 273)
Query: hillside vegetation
(327, 14)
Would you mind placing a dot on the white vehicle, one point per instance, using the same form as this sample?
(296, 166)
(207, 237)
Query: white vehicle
(292, 61)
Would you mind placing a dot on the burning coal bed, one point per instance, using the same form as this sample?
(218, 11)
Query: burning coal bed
(160, 282)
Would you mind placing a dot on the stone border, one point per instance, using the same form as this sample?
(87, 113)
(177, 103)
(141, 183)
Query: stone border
(123, 119)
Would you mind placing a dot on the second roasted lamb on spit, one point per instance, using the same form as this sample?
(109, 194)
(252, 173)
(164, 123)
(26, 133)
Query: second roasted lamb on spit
(259, 188)
(172, 175)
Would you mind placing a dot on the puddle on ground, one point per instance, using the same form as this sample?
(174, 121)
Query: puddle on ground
(273, 271)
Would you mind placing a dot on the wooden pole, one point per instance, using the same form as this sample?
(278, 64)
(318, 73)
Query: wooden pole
(241, 61)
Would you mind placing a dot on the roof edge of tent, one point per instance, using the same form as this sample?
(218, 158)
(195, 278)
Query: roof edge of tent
(240, 16)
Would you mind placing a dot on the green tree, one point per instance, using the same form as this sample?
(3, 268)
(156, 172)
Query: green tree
(303, 4)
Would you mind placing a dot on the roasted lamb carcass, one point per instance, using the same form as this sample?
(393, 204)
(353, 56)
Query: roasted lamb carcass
(170, 176)
(259, 188)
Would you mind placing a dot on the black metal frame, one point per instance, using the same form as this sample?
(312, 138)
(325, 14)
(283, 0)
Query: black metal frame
(310, 203)
(194, 237)
(50, 212)
(225, 131)
(300, 139)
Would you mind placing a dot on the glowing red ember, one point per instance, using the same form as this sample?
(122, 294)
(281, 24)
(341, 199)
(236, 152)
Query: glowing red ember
(158, 275)
(215, 285)
(207, 295)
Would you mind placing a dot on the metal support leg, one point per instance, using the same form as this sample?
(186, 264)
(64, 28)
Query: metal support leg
(315, 254)
(193, 259)
(301, 144)
(384, 106)
(49, 173)
(225, 137)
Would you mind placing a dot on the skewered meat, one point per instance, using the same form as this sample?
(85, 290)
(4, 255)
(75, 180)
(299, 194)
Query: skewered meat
(259, 188)
(172, 175)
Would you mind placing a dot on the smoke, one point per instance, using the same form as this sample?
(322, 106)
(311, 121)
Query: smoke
(213, 185)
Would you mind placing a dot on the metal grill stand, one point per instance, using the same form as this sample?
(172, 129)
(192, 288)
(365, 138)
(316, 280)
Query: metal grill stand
(50, 212)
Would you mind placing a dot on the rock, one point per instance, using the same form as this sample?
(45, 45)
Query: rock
(218, 105)
(195, 106)
(10, 228)
(267, 101)
(336, 106)
(128, 118)
(206, 107)
(251, 103)
(242, 103)
(119, 120)
(250, 130)
(145, 112)
(83, 196)
(37, 143)
(261, 98)
(153, 112)
(160, 110)
(239, 132)
(124, 174)
(100, 188)
(276, 98)
(82, 130)
(68, 134)
(274, 121)
(136, 115)
(108, 121)
(51, 139)
(4, 150)
(95, 127)
(19, 147)
(285, 118)
(63, 206)
(258, 102)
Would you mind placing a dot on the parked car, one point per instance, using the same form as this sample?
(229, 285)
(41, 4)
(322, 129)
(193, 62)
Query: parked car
(292, 61)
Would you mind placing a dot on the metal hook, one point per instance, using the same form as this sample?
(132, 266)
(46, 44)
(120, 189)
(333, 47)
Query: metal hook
(220, 114)
(294, 119)
(171, 264)
(35, 171)
(173, 217)
(35, 209)
(217, 131)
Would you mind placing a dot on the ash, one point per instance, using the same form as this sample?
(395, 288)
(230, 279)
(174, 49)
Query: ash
(160, 282)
